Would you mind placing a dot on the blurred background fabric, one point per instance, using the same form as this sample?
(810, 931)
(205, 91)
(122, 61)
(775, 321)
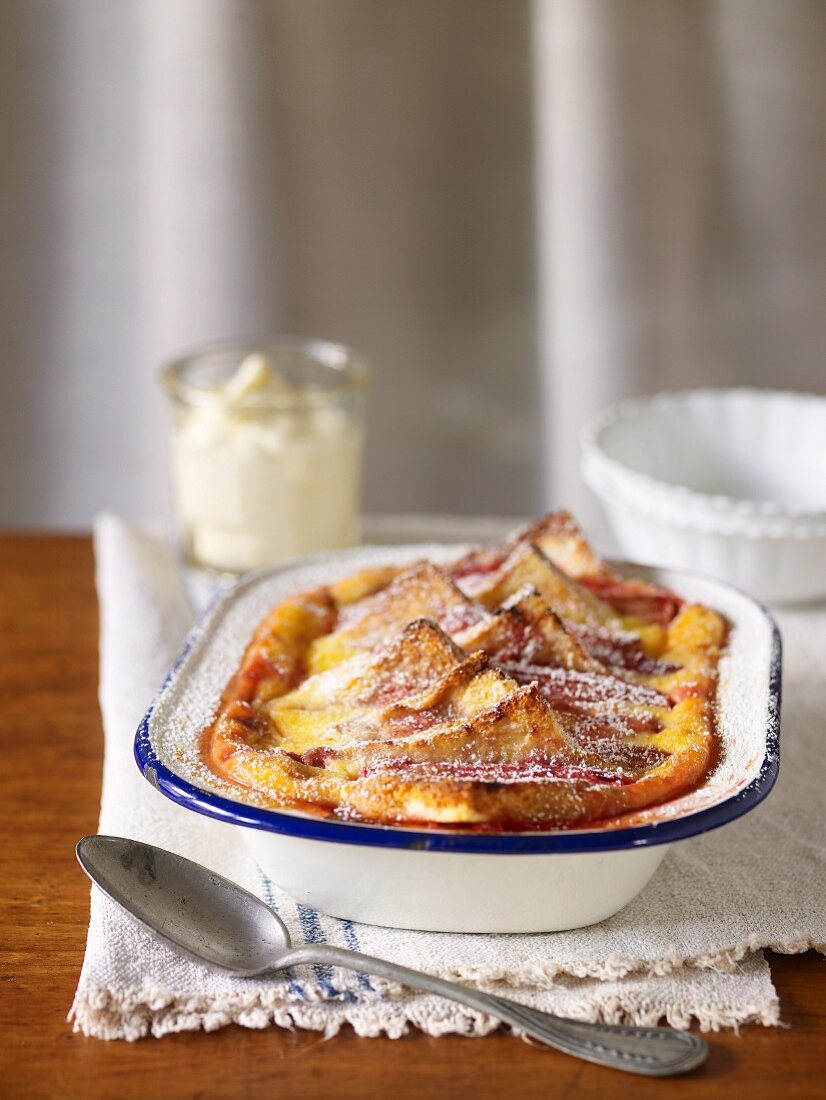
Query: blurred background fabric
(682, 203)
(518, 211)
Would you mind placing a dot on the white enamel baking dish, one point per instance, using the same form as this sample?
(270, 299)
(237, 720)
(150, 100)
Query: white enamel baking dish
(454, 880)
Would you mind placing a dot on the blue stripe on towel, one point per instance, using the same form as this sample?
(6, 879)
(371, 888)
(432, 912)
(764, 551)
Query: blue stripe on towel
(314, 933)
(269, 897)
(352, 941)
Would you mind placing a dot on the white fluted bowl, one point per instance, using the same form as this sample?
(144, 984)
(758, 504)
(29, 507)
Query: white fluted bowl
(731, 483)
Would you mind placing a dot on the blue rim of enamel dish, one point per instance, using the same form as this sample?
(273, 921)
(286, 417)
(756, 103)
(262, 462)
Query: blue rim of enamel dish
(568, 841)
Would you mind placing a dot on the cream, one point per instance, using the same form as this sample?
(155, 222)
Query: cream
(262, 474)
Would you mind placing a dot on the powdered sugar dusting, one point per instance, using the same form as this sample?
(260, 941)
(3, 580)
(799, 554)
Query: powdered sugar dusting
(188, 703)
(584, 687)
(618, 648)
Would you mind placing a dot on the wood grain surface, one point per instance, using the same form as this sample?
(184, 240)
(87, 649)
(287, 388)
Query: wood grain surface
(51, 756)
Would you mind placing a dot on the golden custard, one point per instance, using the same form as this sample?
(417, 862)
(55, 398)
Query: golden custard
(524, 686)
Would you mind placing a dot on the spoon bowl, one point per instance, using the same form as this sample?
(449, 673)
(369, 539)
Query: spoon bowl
(216, 922)
(210, 918)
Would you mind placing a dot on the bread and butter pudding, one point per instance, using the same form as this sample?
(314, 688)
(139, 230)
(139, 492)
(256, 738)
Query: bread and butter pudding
(524, 686)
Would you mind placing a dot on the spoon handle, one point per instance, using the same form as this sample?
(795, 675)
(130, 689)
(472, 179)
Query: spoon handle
(653, 1051)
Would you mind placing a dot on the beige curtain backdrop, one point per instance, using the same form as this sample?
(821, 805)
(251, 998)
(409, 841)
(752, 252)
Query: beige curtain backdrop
(640, 183)
(174, 171)
(681, 167)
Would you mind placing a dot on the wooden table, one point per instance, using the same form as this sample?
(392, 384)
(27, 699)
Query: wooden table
(52, 744)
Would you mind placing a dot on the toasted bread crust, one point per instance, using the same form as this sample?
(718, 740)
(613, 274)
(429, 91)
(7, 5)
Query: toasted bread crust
(524, 687)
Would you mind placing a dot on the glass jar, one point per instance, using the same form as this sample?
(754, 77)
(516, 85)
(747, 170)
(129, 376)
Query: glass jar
(266, 447)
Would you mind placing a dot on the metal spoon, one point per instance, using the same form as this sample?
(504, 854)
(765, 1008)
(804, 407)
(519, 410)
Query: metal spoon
(217, 922)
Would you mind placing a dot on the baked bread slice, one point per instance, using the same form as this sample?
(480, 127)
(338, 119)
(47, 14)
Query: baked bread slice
(524, 686)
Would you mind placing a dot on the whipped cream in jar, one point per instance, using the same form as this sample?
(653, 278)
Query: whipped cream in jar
(266, 449)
